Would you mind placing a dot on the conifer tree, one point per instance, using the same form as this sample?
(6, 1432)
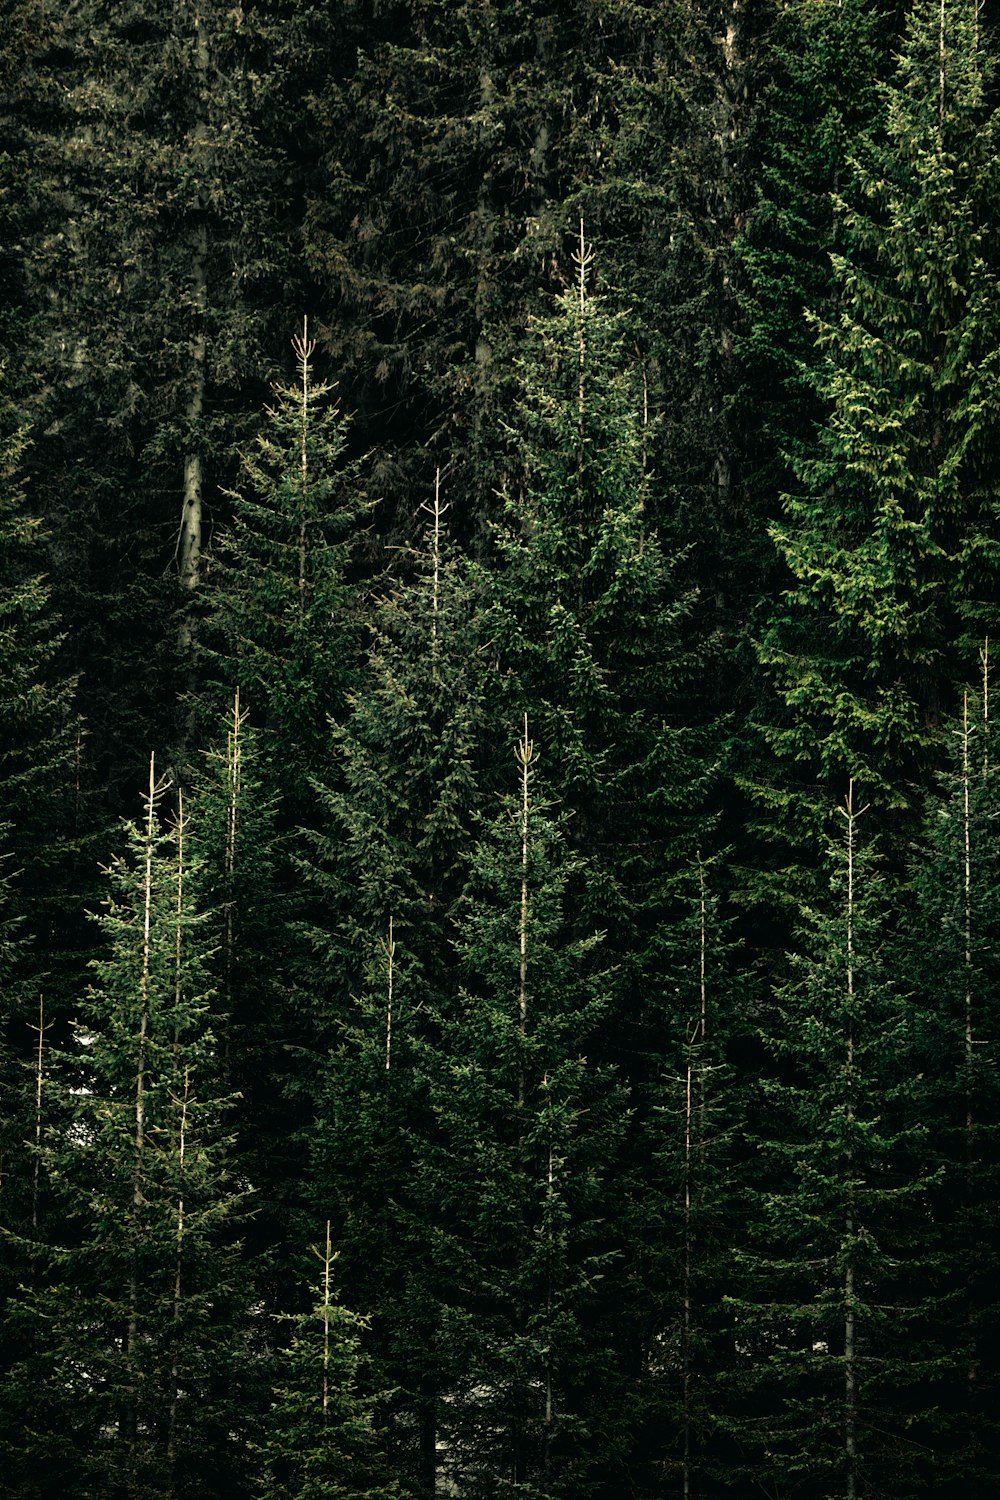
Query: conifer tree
(588, 614)
(321, 1441)
(284, 602)
(154, 258)
(467, 137)
(889, 534)
(953, 956)
(40, 847)
(262, 1023)
(389, 862)
(128, 1386)
(843, 1373)
(397, 818)
(530, 1133)
(685, 1187)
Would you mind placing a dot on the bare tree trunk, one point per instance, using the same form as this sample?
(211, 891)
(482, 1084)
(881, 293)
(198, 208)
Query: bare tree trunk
(189, 542)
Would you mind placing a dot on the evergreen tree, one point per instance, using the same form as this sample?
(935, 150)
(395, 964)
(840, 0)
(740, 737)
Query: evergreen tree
(261, 1019)
(889, 536)
(154, 258)
(388, 865)
(322, 1444)
(684, 1195)
(531, 1129)
(40, 847)
(285, 616)
(952, 953)
(129, 1383)
(843, 1374)
(588, 615)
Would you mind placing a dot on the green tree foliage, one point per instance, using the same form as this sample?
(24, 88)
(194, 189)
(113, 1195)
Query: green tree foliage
(388, 866)
(321, 1441)
(954, 956)
(823, 99)
(656, 1129)
(683, 1189)
(463, 140)
(284, 599)
(530, 1133)
(889, 534)
(588, 610)
(153, 256)
(39, 869)
(837, 1279)
(261, 1019)
(127, 1386)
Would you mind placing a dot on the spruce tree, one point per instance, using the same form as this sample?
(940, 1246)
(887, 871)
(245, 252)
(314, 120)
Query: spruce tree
(888, 536)
(388, 865)
(841, 1371)
(684, 1195)
(129, 1382)
(154, 256)
(952, 954)
(40, 877)
(589, 615)
(321, 1443)
(284, 618)
(530, 1134)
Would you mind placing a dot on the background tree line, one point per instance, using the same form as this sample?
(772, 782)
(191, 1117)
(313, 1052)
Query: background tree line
(498, 796)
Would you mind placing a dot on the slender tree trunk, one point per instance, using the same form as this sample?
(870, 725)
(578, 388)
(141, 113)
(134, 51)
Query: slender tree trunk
(139, 1139)
(39, 1078)
(178, 1296)
(390, 956)
(234, 757)
(327, 1262)
(190, 539)
(304, 348)
(850, 1331)
(525, 754)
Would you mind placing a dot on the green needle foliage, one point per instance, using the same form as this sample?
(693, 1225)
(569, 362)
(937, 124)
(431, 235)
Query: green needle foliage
(588, 615)
(322, 1444)
(284, 601)
(953, 953)
(838, 1276)
(530, 1134)
(889, 536)
(135, 1322)
(388, 867)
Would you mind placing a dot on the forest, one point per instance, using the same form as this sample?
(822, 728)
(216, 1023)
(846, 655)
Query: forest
(499, 821)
